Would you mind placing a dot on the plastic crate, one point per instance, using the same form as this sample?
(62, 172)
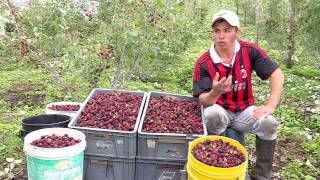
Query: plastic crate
(167, 146)
(105, 142)
(108, 168)
(150, 169)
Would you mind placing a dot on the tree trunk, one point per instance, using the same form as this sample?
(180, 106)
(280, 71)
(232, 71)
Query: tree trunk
(292, 28)
(244, 14)
(237, 6)
(257, 12)
(270, 22)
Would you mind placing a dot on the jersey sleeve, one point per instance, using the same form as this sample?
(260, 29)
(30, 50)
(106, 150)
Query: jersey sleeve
(202, 81)
(262, 64)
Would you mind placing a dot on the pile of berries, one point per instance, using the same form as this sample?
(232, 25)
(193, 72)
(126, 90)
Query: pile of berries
(55, 141)
(218, 153)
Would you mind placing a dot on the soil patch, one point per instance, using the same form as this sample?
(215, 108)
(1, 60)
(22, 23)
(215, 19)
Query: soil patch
(23, 94)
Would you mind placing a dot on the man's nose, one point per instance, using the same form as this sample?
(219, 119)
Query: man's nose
(221, 35)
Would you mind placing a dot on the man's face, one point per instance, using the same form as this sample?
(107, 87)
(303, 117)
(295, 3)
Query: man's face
(224, 35)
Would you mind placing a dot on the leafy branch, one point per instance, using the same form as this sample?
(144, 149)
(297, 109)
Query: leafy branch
(35, 56)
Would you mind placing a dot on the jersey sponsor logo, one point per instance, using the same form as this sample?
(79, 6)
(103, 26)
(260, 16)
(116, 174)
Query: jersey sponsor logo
(239, 86)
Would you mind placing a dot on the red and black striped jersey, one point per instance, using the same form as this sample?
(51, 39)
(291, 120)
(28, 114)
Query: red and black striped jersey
(248, 58)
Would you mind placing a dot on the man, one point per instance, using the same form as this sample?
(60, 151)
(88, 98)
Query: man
(222, 81)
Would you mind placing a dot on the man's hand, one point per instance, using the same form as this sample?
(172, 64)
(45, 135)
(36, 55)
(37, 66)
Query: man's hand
(223, 85)
(260, 111)
(219, 87)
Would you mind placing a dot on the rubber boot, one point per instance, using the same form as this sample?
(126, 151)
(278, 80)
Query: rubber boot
(265, 151)
(236, 135)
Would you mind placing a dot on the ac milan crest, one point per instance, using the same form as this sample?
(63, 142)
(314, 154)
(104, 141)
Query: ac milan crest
(243, 73)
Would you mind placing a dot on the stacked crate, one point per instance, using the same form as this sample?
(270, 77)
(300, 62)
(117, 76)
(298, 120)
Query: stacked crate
(162, 155)
(110, 154)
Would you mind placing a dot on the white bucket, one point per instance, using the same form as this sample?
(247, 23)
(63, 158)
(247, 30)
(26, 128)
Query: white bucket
(55, 163)
(68, 113)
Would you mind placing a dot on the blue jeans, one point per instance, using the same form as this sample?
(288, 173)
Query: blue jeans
(236, 135)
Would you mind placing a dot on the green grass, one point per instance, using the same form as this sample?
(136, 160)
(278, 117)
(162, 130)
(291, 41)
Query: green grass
(18, 88)
(11, 144)
(299, 170)
(308, 72)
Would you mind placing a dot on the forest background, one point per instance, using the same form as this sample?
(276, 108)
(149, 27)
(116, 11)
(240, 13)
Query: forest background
(60, 50)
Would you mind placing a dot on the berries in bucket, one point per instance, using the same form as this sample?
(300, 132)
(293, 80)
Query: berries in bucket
(216, 157)
(65, 107)
(55, 141)
(55, 153)
(218, 153)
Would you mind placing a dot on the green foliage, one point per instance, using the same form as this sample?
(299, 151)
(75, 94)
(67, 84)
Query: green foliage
(11, 144)
(288, 117)
(297, 88)
(298, 170)
(291, 132)
(247, 33)
(312, 122)
(274, 54)
(308, 72)
(274, 25)
(312, 146)
(309, 24)
(250, 140)
(139, 86)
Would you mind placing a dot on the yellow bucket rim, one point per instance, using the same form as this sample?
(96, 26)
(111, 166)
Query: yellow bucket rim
(197, 175)
(217, 172)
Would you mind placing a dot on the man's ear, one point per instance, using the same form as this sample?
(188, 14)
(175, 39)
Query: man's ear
(238, 32)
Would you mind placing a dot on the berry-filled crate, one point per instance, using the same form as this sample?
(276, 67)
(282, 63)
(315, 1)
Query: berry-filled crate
(108, 168)
(168, 123)
(150, 169)
(110, 118)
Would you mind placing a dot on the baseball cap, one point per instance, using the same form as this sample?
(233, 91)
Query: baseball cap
(227, 15)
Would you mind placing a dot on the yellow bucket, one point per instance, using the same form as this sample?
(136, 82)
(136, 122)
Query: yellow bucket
(200, 171)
